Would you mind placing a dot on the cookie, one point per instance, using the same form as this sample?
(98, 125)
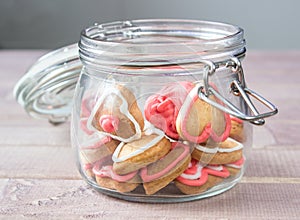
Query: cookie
(235, 167)
(225, 152)
(181, 114)
(160, 173)
(129, 157)
(95, 149)
(198, 178)
(162, 109)
(116, 114)
(237, 131)
(197, 120)
(107, 178)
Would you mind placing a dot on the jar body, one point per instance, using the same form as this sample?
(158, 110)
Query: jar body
(139, 126)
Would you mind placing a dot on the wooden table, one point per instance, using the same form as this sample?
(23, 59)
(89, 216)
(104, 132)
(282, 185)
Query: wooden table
(39, 179)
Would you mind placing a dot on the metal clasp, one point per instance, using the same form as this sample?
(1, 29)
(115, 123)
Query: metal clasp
(238, 88)
(119, 28)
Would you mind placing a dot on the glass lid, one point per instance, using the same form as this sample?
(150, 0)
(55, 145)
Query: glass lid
(46, 90)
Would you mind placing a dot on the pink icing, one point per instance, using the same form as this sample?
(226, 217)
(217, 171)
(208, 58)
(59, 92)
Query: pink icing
(87, 166)
(224, 173)
(86, 107)
(109, 123)
(162, 109)
(101, 162)
(238, 163)
(149, 178)
(107, 171)
(192, 168)
(99, 143)
(83, 126)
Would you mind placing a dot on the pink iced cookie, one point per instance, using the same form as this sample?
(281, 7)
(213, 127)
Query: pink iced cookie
(160, 173)
(235, 167)
(107, 178)
(117, 114)
(198, 178)
(95, 149)
(181, 114)
(162, 109)
(197, 120)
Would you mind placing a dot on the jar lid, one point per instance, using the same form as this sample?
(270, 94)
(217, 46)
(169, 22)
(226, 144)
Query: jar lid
(47, 88)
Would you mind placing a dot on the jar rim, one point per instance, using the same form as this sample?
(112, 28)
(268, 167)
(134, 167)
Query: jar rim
(97, 32)
(118, 43)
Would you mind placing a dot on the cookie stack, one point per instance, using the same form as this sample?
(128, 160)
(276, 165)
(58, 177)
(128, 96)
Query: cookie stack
(176, 139)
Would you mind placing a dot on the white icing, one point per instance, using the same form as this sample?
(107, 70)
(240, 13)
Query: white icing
(216, 168)
(140, 150)
(234, 166)
(149, 128)
(195, 176)
(186, 143)
(219, 149)
(186, 104)
(207, 150)
(123, 109)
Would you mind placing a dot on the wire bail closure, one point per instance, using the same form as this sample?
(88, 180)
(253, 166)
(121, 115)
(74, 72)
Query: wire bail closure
(238, 88)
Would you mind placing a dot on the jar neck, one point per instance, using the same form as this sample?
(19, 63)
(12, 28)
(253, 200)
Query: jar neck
(143, 43)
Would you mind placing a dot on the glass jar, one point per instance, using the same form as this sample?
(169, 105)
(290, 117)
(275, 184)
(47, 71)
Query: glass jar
(161, 111)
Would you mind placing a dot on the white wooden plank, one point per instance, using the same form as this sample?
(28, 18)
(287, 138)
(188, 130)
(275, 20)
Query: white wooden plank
(35, 135)
(38, 162)
(73, 199)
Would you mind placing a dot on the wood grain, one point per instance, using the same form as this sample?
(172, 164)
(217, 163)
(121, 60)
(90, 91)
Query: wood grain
(72, 199)
(39, 178)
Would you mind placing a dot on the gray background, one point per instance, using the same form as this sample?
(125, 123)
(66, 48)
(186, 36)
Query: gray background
(50, 24)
